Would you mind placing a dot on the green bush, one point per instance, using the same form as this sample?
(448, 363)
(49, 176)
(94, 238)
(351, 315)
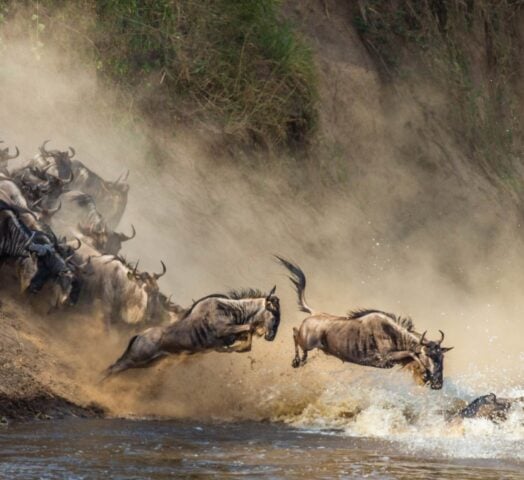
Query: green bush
(236, 60)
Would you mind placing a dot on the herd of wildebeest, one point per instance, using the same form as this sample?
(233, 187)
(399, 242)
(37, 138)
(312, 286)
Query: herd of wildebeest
(58, 236)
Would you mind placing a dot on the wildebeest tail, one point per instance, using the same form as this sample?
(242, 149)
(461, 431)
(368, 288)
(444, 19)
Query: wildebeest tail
(298, 279)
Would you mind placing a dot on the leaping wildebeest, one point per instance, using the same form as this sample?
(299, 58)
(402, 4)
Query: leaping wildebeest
(224, 323)
(366, 337)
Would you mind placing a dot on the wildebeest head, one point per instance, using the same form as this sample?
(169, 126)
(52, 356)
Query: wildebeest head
(428, 367)
(148, 280)
(271, 315)
(5, 155)
(60, 167)
(114, 241)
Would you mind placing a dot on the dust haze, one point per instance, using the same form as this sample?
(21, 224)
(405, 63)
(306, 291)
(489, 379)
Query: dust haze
(395, 236)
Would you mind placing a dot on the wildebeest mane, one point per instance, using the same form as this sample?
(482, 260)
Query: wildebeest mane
(231, 295)
(196, 302)
(246, 293)
(404, 322)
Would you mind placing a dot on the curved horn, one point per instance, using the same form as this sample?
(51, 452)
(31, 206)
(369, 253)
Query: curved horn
(11, 157)
(124, 238)
(42, 148)
(85, 264)
(164, 270)
(79, 244)
(122, 177)
(73, 152)
(441, 337)
(272, 292)
(421, 342)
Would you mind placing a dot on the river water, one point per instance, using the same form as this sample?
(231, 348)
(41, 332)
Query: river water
(160, 449)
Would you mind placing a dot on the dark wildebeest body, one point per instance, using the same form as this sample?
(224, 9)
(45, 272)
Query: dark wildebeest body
(224, 323)
(52, 164)
(46, 262)
(110, 197)
(366, 337)
(490, 407)
(33, 250)
(45, 177)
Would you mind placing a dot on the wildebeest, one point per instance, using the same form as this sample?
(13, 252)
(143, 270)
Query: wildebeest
(16, 240)
(52, 163)
(45, 177)
(124, 295)
(224, 323)
(5, 156)
(490, 407)
(110, 197)
(79, 217)
(366, 337)
(38, 259)
(36, 269)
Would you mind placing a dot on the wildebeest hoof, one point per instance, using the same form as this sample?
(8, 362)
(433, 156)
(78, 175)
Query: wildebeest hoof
(295, 363)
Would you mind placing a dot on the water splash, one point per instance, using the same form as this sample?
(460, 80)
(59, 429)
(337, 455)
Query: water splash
(415, 419)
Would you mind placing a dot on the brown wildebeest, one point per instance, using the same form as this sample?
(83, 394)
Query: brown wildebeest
(224, 323)
(366, 337)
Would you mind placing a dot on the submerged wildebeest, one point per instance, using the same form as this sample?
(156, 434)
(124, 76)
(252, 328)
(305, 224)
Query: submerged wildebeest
(490, 407)
(224, 323)
(110, 197)
(366, 337)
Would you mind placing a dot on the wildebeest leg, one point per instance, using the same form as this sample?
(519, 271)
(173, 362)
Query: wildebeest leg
(296, 361)
(228, 330)
(142, 351)
(240, 346)
(389, 359)
(303, 360)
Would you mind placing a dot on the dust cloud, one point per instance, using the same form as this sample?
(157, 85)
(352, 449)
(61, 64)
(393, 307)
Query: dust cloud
(396, 236)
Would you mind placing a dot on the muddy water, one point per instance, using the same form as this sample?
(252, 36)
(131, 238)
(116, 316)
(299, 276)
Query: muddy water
(125, 449)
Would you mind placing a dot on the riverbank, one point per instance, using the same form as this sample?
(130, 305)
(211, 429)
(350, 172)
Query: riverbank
(30, 388)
